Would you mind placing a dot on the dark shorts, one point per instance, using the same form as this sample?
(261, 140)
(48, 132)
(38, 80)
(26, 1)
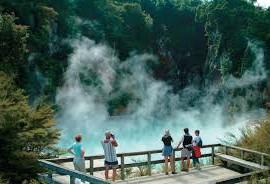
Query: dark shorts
(111, 164)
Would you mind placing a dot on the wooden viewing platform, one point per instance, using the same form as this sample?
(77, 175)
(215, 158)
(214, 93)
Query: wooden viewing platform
(209, 174)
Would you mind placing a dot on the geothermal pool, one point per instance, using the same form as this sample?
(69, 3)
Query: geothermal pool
(140, 135)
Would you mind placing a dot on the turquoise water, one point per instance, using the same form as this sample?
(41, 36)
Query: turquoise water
(140, 135)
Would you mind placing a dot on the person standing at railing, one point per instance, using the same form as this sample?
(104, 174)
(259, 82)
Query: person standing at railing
(197, 144)
(186, 152)
(78, 151)
(109, 145)
(167, 151)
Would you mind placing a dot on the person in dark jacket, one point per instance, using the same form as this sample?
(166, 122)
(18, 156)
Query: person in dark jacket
(186, 152)
(167, 151)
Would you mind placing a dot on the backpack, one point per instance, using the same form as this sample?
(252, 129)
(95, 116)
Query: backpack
(187, 141)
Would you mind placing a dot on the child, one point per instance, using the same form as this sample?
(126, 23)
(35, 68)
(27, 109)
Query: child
(197, 144)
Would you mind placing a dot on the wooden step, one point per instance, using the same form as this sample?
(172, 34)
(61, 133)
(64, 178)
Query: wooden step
(241, 162)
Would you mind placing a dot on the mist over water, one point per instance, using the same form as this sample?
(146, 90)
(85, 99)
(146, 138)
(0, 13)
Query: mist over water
(96, 75)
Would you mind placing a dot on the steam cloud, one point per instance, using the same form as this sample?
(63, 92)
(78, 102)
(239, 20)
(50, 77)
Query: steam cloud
(253, 75)
(96, 75)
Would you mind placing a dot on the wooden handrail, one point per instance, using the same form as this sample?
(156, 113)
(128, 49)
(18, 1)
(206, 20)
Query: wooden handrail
(52, 167)
(143, 163)
(125, 154)
(245, 150)
(124, 165)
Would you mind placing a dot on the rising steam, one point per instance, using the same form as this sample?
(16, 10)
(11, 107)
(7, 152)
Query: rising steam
(96, 75)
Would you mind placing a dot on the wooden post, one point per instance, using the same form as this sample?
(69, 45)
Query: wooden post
(262, 160)
(213, 155)
(226, 150)
(72, 180)
(91, 166)
(149, 163)
(122, 167)
(173, 161)
(242, 154)
(50, 177)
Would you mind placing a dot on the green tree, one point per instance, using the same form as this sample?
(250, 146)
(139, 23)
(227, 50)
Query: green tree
(137, 29)
(48, 22)
(226, 27)
(12, 45)
(27, 133)
(190, 37)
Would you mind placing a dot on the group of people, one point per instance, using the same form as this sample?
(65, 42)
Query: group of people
(191, 147)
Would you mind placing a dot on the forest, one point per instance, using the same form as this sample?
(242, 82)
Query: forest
(200, 43)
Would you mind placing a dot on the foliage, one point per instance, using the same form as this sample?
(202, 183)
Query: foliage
(13, 45)
(46, 27)
(256, 136)
(142, 170)
(233, 23)
(127, 173)
(195, 40)
(2, 181)
(111, 21)
(26, 132)
(190, 37)
(225, 65)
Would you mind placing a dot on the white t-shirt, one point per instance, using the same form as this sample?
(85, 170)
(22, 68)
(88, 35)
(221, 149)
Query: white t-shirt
(109, 151)
(196, 140)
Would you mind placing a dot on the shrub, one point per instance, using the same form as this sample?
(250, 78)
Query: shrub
(26, 133)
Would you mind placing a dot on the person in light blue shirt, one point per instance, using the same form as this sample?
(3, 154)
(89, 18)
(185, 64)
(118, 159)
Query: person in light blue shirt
(78, 151)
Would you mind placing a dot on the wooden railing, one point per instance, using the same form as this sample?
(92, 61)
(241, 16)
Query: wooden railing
(53, 164)
(249, 175)
(123, 165)
(244, 150)
(73, 174)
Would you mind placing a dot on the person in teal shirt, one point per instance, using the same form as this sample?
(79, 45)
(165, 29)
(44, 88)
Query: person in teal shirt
(78, 151)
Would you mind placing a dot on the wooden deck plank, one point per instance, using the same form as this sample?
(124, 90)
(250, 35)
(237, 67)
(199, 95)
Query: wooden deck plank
(207, 175)
(241, 162)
